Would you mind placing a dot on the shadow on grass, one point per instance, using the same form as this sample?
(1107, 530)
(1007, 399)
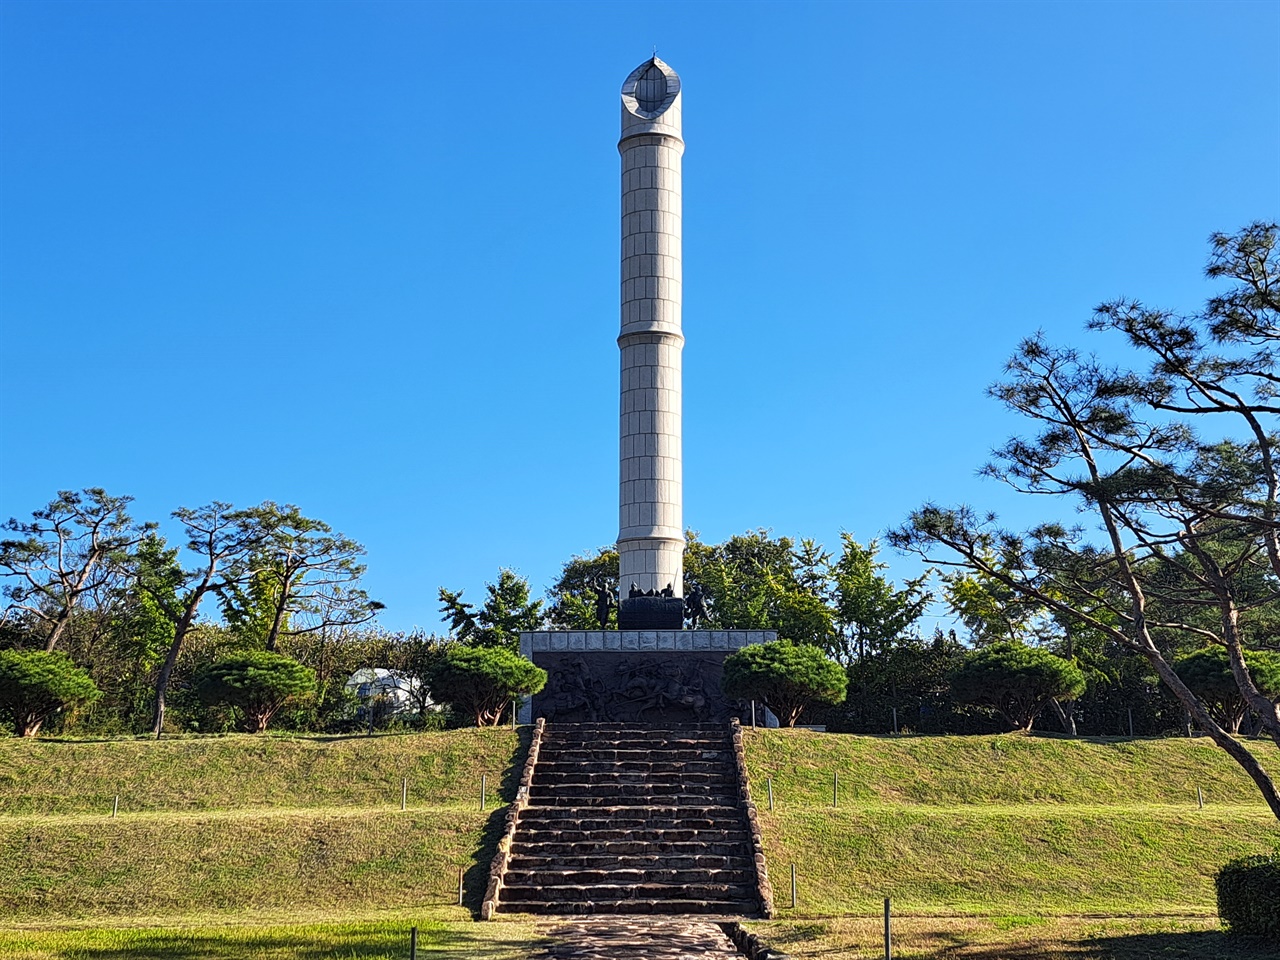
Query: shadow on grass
(1190, 945)
(307, 944)
(476, 880)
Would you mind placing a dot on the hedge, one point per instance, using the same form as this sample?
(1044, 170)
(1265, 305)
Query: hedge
(1249, 896)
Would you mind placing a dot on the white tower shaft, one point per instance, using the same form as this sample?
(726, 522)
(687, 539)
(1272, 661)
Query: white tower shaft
(651, 522)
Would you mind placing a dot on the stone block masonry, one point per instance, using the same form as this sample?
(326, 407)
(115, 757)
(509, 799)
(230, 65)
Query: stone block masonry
(637, 676)
(650, 497)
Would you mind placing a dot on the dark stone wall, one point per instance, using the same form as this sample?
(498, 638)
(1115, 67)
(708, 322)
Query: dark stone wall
(622, 687)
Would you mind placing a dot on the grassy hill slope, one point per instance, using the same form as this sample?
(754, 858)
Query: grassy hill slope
(239, 771)
(243, 845)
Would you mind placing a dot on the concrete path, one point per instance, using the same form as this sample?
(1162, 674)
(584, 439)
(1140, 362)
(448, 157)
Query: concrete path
(636, 939)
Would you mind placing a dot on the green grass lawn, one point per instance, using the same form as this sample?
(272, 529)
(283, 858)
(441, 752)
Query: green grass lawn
(271, 847)
(82, 867)
(1015, 769)
(443, 934)
(242, 771)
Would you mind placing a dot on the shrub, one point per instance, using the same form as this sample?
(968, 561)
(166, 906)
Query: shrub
(1249, 896)
(1017, 680)
(257, 684)
(785, 676)
(36, 684)
(1207, 672)
(482, 681)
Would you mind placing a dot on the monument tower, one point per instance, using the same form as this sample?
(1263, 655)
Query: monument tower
(651, 669)
(650, 502)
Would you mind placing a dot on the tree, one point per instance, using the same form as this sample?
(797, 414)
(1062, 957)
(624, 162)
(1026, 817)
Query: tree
(871, 613)
(223, 538)
(1207, 672)
(753, 581)
(572, 600)
(483, 681)
(1017, 680)
(257, 683)
(787, 677)
(36, 684)
(1170, 507)
(72, 547)
(506, 612)
(302, 578)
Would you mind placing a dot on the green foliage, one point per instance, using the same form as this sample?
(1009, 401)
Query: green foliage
(302, 577)
(785, 676)
(753, 581)
(912, 677)
(572, 598)
(1017, 680)
(256, 683)
(871, 612)
(507, 610)
(249, 606)
(1207, 672)
(36, 684)
(69, 556)
(1249, 896)
(483, 681)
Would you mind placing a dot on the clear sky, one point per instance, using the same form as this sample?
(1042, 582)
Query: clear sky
(363, 257)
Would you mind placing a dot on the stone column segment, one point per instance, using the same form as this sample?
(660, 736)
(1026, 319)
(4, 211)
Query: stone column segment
(650, 502)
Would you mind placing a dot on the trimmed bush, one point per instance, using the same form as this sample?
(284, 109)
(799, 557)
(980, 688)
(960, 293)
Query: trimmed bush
(36, 684)
(1249, 896)
(258, 684)
(1208, 673)
(482, 681)
(787, 677)
(1017, 680)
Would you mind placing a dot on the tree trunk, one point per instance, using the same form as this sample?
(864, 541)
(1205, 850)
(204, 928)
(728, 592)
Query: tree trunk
(1236, 750)
(1066, 717)
(179, 634)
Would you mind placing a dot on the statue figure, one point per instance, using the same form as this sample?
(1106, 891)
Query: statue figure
(604, 603)
(668, 591)
(635, 591)
(695, 607)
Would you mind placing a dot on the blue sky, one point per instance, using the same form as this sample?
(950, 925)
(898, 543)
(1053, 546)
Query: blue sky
(363, 257)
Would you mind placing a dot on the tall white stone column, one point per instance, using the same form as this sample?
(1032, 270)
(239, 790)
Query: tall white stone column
(651, 522)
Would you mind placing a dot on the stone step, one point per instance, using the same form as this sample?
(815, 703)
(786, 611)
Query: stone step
(670, 794)
(646, 767)
(679, 773)
(601, 907)
(545, 842)
(638, 727)
(698, 825)
(626, 808)
(544, 893)
(637, 745)
(580, 876)
(636, 741)
(638, 861)
(631, 818)
(623, 846)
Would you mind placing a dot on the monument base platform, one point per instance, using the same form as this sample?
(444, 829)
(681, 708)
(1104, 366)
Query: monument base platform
(635, 676)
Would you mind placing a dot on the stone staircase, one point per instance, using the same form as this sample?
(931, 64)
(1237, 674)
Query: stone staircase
(632, 819)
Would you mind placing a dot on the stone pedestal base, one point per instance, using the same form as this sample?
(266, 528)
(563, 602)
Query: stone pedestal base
(636, 676)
